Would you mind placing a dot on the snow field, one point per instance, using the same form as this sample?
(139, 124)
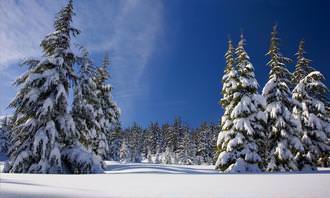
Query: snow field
(150, 180)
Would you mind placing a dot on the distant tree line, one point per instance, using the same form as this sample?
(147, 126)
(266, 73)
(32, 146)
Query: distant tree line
(174, 143)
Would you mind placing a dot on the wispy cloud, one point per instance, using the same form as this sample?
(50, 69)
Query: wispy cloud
(128, 28)
(23, 25)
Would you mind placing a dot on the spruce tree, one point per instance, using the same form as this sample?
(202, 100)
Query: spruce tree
(171, 138)
(43, 132)
(135, 142)
(283, 129)
(153, 136)
(230, 87)
(85, 102)
(115, 145)
(302, 67)
(4, 134)
(241, 145)
(166, 131)
(187, 151)
(310, 99)
(108, 111)
(205, 145)
(125, 153)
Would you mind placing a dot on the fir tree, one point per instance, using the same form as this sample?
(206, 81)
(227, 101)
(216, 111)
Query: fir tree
(85, 103)
(153, 135)
(43, 131)
(135, 143)
(205, 145)
(125, 153)
(171, 138)
(187, 151)
(303, 67)
(241, 145)
(282, 128)
(115, 145)
(4, 134)
(310, 98)
(230, 86)
(108, 111)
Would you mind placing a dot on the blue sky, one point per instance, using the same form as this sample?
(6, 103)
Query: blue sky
(167, 56)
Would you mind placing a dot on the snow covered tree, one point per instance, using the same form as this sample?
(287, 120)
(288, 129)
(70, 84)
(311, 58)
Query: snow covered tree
(167, 137)
(205, 145)
(303, 67)
(153, 135)
(310, 95)
(170, 138)
(108, 111)
(135, 142)
(4, 134)
(79, 160)
(85, 103)
(187, 151)
(283, 129)
(205, 138)
(115, 142)
(149, 155)
(230, 86)
(42, 129)
(157, 157)
(168, 156)
(241, 145)
(125, 153)
(179, 129)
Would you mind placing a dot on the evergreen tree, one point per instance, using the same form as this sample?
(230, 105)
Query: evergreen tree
(241, 145)
(168, 156)
(167, 137)
(187, 151)
(108, 111)
(179, 131)
(303, 67)
(43, 131)
(125, 153)
(115, 145)
(170, 137)
(149, 155)
(282, 128)
(85, 102)
(205, 140)
(135, 143)
(153, 134)
(4, 134)
(230, 87)
(310, 98)
(214, 129)
(205, 147)
(183, 143)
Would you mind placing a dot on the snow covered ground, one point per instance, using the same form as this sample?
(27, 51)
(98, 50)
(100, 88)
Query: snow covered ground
(149, 180)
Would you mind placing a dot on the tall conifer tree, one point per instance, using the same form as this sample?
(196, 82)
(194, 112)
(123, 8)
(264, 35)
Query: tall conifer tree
(309, 95)
(302, 67)
(241, 145)
(108, 111)
(283, 129)
(43, 132)
(85, 103)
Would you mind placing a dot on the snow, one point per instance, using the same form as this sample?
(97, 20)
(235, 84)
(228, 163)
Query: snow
(150, 180)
